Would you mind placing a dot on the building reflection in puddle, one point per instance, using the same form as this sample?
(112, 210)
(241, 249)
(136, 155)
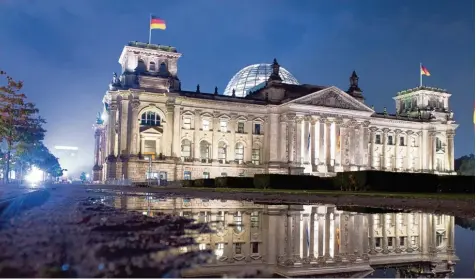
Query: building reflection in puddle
(310, 240)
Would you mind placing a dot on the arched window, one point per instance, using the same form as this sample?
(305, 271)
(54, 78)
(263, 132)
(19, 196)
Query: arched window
(256, 154)
(222, 152)
(150, 118)
(239, 152)
(152, 66)
(141, 67)
(163, 68)
(204, 150)
(186, 148)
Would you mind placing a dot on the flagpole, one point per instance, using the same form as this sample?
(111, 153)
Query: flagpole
(150, 29)
(421, 77)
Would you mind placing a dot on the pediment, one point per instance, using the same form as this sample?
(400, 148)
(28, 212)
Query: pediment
(332, 97)
(151, 130)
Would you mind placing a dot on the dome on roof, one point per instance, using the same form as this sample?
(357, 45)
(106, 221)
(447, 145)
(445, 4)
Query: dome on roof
(253, 77)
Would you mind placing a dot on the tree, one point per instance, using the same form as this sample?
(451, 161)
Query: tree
(465, 165)
(37, 154)
(83, 177)
(20, 122)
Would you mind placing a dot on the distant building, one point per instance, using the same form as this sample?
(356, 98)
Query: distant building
(264, 122)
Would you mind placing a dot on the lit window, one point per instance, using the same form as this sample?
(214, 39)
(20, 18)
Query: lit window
(378, 139)
(239, 152)
(187, 123)
(186, 148)
(255, 219)
(241, 127)
(255, 155)
(206, 175)
(223, 126)
(206, 125)
(220, 247)
(150, 118)
(187, 175)
(204, 150)
(237, 219)
(257, 130)
(222, 152)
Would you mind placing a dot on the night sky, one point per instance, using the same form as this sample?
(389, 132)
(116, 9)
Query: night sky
(66, 51)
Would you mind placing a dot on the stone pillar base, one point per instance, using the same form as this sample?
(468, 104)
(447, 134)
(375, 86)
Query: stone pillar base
(322, 168)
(354, 168)
(339, 169)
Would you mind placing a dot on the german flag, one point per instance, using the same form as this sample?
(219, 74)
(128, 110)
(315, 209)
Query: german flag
(424, 71)
(157, 23)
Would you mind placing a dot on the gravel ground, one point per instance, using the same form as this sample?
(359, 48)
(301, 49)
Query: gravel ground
(65, 232)
(460, 208)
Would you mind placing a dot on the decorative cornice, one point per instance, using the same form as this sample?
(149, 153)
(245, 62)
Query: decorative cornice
(385, 130)
(398, 131)
(373, 129)
(409, 132)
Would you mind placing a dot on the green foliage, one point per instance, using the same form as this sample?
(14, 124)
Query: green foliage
(283, 181)
(234, 182)
(208, 183)
(83, 176)
(465, 165)
(21, 130)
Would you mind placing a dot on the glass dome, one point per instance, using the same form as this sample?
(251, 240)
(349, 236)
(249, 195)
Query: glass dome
(254, 77)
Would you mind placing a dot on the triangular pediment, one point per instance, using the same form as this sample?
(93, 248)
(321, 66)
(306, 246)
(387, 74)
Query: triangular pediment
(332, 97)
(151, 130)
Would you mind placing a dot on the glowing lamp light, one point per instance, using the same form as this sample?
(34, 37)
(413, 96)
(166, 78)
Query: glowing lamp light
(34, 176)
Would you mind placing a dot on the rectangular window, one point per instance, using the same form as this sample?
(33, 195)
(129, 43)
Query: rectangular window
(390, 140)
(238, 248)
(255, 156)
(378, 139)
(187, 175)
(254, 248)
(402, 241)
(414, 240)
(257, 130)
(206, 175)
(402, 141)
(439, 238)
(206, 125)
(223, 174)
(378, 242)
(203, 217)
(255, 219)
(241, 127)
(187, 123)
(223, 126)
(390, 242)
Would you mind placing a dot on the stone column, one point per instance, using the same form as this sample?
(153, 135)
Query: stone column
(176, 142)
(397, 144)
(135, 104)
(167, 138)
(328, 233)
(299, 140)
(424, 233)
(97, 136)
(409, 238)
(338, 145)
(450, 147)
(361, 149)
(196, 133)
(424, 150)
(273, 134)
(450, 246)
(372, 147)
(112, 128)
(420, 149)
(314, 158)
(307, 140)
(408, 162)
(370, 218)
(123, 126)
(283, 139)
(365, 144)
(322, 142)
(216, 136)
(328, 142)
(320, 240)
(398, 216)
(432, 147)
(291, 138)
(336, 236)
(311, 235)
(384, 150)
(384, 233)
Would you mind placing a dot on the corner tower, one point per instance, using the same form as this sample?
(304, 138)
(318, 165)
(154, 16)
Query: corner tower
(424, 103)
(148, 66)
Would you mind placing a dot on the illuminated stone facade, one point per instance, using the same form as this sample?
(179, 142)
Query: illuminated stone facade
(150, 125)
(311, 240)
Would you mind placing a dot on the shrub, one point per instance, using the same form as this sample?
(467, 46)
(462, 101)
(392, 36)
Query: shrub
(234, 182)
(456, 184)
(291, 182)
(207, 183)
(187, 183)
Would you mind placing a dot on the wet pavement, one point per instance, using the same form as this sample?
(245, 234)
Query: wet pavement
(70, 231)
